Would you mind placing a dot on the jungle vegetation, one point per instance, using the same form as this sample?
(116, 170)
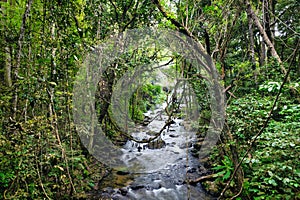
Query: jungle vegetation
(254, 45)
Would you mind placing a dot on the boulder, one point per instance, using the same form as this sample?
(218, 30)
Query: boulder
(157, 144)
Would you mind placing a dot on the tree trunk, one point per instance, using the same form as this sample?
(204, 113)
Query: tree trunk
(252, 54)
(20, 45)
(7, 70)
(267, 20)
(207, 42)
(104, 92)
(262, 58)
(272, 5)
(264, 35)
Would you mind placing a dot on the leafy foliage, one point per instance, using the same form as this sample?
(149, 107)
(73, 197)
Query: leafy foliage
(41, 154)
(271, 169)
(145, 99)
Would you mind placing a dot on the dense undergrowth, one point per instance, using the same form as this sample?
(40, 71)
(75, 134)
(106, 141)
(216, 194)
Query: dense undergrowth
(271, 169)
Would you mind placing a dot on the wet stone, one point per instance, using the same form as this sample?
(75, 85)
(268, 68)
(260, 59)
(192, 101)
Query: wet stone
(191, 170)
(179, 182)
(195, 154)
(133, 159)
(119, 197)
(197, 145)
(152, 133)
(123, 191)
(173, 136)
(137, 186)
(179, 159)
(169, 144)
(157, 144)
(108, 190)
(105, 196)
(183, 146)
(153, 186)
(123, 172)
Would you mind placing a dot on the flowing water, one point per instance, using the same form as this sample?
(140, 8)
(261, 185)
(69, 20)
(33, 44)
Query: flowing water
(159, 170)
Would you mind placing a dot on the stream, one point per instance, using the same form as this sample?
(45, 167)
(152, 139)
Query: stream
(160, 169)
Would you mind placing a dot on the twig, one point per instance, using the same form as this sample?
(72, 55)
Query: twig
(241, 189)
(41, 182)
(163, 65)
(202, 178)
(231, 94)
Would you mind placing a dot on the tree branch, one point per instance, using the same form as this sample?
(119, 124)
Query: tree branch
(202, 178)
(181, 28)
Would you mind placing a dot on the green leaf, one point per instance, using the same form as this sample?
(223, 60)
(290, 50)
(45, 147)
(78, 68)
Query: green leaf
(227, 175)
